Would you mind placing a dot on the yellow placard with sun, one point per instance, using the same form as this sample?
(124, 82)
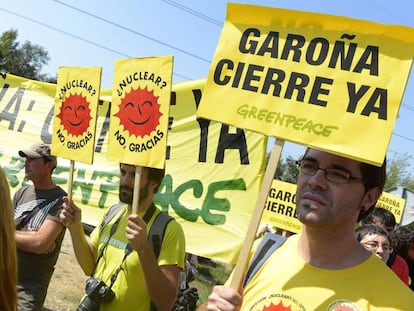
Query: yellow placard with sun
(76, 104)
(140, 111)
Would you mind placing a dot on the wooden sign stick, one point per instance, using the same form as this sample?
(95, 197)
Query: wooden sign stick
(137, 185)
(242, 260)
(70, 181)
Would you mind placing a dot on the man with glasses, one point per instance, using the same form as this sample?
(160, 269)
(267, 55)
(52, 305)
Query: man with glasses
(324, 267)
(39, 233)
(376, 240)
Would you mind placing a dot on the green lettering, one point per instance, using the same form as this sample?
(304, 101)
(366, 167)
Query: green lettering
(211, 202)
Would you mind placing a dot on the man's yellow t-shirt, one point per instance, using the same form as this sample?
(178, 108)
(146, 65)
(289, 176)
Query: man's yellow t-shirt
(129, 287)
(286, 283)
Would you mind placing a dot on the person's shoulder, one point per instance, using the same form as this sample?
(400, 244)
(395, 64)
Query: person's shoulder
(19, 192)
(400, 261)
(172, 225)
(171, 221)
(25, 188)
(61, 191)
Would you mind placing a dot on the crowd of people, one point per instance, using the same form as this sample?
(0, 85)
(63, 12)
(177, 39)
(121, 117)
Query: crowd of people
(346, 252)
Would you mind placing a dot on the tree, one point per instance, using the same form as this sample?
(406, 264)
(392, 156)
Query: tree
(398, 172)
(24, 60)
(286, 170)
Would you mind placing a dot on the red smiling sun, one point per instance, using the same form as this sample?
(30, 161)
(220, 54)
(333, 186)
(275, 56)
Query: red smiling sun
(75, 114)
(278, 307)
(139, 112)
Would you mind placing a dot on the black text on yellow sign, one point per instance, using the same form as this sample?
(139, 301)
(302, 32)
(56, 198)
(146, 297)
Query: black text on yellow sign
(301, 86)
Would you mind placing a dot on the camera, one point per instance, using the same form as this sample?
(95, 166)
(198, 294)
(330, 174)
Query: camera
(97, 292)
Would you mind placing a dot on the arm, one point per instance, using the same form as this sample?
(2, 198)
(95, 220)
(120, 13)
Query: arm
(169, 275)
(41, 241)
(70, 217)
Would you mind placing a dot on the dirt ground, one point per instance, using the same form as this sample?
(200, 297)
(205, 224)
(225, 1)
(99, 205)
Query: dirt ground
(67, 286)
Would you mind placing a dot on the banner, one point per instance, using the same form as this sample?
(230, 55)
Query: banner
(76, 104)
(140, 110)
(328, 82)
(213, 171)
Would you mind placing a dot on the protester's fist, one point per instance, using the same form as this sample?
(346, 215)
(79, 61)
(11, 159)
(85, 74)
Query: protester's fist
(70, 213)
(224, 298)
(136, 232)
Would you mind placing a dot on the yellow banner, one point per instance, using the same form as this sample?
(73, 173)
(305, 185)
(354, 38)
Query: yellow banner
(76, 105)
(213, 171)
(329, 82)
(140, 111)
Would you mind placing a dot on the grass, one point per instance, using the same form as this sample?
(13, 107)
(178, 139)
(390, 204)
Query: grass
(210, 273)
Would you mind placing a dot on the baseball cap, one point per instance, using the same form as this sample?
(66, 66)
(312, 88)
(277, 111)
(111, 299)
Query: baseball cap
(37, 151)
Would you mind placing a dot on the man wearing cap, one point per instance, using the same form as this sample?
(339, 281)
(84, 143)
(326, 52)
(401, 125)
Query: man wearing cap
(39, 233)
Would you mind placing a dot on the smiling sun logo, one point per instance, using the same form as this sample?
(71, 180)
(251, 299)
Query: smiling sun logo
(278, 307)
(75, 114)
(139, 112)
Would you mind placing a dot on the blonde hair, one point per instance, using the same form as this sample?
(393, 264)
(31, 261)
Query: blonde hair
(8, 258)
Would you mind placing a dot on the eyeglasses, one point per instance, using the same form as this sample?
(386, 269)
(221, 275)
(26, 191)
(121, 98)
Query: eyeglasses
(373, 246)
(332, 174)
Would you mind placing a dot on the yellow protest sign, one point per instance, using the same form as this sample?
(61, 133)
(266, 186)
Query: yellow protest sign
(280, 208)
(140, 110)
(392, 203)
(213, 170)
(76, 104)
(329, 82)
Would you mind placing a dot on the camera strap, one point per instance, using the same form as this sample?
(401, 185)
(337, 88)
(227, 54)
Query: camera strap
(128, 248)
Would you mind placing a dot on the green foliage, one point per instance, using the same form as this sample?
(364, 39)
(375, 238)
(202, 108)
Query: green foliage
(24, 60)
(398, 172)
(286, 170)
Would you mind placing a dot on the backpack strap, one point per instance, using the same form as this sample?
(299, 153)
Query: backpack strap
(112, 211)
(157, 231)
(156, 236)
(267, 246)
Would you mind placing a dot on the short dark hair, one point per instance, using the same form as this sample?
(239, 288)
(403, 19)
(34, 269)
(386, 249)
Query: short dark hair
(46, 160)
(373, 176)
(402, 240)
(368, 229)
(156, 174)
(382, 214)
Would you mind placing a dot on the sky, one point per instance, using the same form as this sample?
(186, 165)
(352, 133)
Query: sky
(96, 33)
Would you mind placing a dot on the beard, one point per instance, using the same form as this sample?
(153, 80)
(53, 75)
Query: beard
(126, 194)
